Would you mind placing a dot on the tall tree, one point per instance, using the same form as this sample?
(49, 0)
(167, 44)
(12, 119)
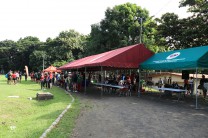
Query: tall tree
(67, 46)
(8, 55)
(121, 27)
(196, 26)
(27, 46)
(168, 31)
(187, 32)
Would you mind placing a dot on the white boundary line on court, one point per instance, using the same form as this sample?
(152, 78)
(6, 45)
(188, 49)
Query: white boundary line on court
(58, 119)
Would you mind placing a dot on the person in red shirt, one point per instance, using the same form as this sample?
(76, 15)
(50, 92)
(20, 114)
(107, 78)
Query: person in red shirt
(14, 77)
(50, 80)
(185, 84)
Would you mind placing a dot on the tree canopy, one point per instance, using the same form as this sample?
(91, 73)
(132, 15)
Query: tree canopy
(121, 26)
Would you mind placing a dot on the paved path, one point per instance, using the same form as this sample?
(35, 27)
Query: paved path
(145, 117)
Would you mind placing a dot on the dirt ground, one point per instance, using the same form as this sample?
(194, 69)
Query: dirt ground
(145, 117)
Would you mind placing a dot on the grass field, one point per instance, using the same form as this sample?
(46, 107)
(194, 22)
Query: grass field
(25, 118)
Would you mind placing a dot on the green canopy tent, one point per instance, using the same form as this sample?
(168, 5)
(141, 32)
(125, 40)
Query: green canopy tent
(185, 59)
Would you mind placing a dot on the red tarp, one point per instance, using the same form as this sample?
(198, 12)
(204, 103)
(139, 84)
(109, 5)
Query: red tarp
(51, 69)
(126, 57)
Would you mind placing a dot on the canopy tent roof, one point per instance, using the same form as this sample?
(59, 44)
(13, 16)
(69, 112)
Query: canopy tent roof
(190, 58)
(52, 69)
(126, 57)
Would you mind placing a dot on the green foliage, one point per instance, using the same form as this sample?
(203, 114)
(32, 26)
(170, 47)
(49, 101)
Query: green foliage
(68, 46)
(27, 46)
(196, 26)
(59, 63)
(9, 53)
(36, 58)
(184, 33)
(121, 27)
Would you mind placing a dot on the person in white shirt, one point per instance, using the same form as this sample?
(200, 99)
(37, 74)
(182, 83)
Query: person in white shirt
(191, 85)
(17, 76)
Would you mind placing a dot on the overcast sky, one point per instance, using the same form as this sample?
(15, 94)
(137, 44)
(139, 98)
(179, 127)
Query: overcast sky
(47, 18)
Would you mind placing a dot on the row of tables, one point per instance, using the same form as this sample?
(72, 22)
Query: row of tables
(110, 85)
(180, 92)
(103, 85)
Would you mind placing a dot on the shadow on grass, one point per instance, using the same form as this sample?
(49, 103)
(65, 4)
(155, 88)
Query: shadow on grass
(45, 102)
(37, 90)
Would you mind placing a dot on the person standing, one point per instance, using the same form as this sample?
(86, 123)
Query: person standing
(66, 83)
(14, 77)
(191, 86)
(42, 81)
(169, 80)
(165, 81)
(20, 76)
(185, 84)
(25, 76)
(160, 83)
(202, 81)
(50, 79)
(74, 81)
(79, 82)
(137, 79)
(9, 77)
(17, 76)
(69, 82)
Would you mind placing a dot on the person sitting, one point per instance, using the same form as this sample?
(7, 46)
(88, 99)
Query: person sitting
(175, 85)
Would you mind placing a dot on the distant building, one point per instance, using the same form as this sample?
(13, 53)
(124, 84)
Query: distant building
(176, 77)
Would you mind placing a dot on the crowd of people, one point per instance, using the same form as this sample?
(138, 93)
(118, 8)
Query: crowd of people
(128, 80)
(74, 81)
(69, 81)
(13, 77)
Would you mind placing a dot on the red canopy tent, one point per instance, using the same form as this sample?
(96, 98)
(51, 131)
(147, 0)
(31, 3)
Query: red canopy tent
(128, 57)
(125, 58)
(52, 69)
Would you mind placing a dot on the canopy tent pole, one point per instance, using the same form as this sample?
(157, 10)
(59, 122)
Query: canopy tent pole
(139, 92)
(102, 81)
(196, 89)
(85, 80)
